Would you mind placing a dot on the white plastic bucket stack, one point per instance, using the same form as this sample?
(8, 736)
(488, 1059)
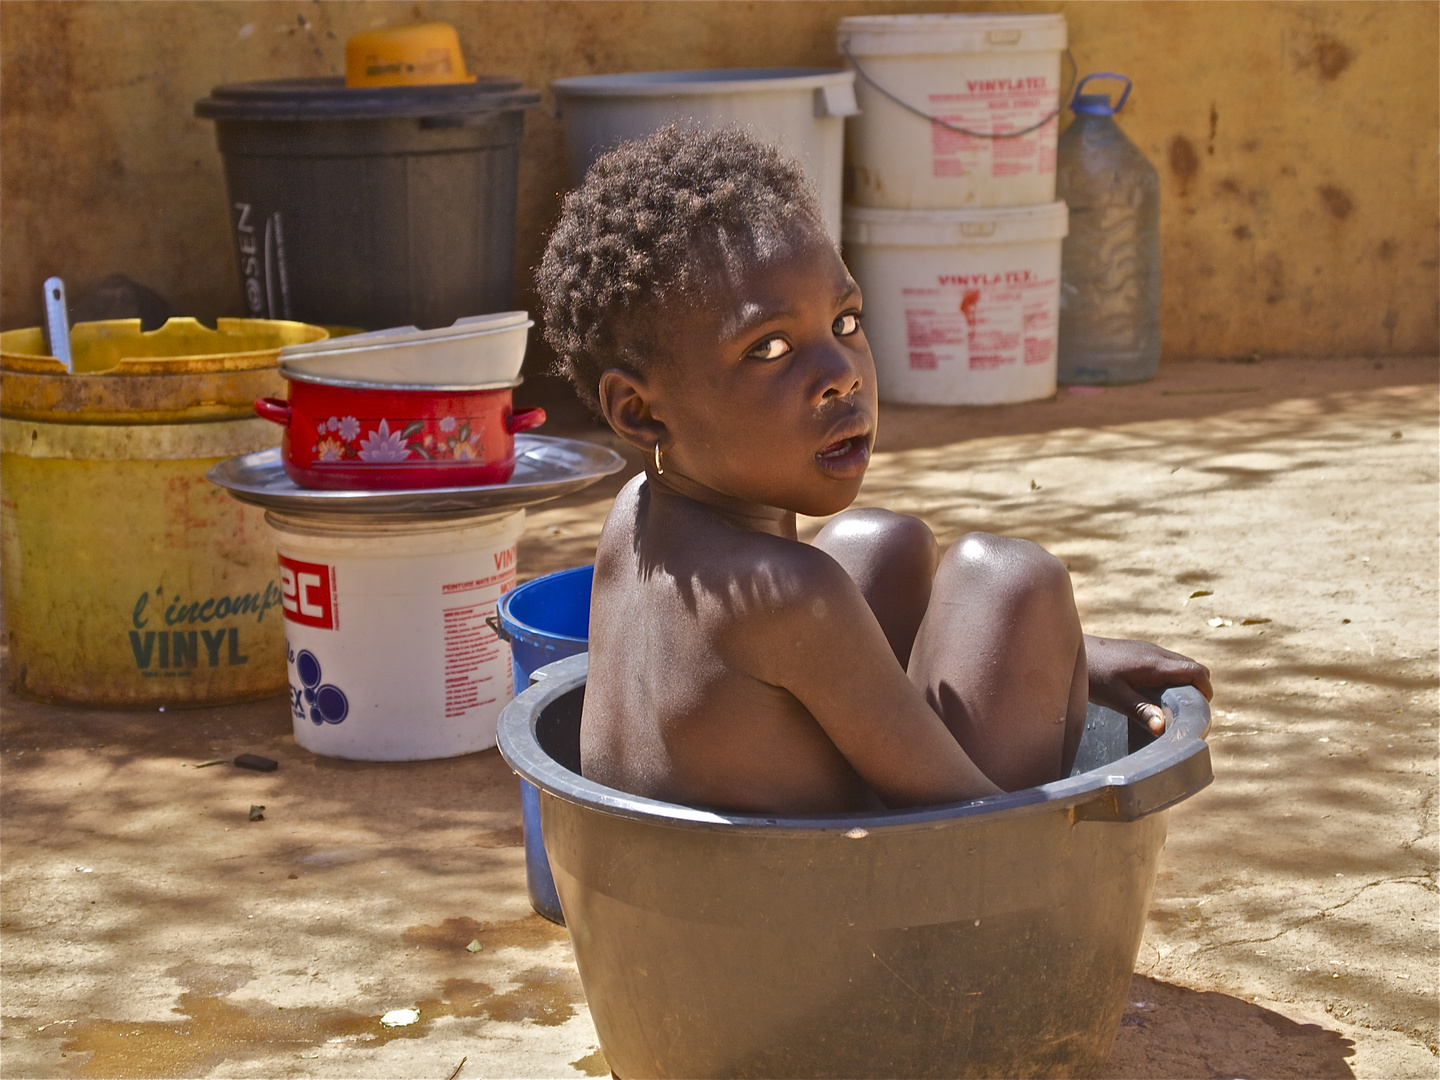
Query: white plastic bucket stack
(961, 306)
(955, 238)
(987, 73)
(800, 111)
(390, 654)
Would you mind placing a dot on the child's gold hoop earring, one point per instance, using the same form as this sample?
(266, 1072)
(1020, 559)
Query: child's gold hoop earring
(659, 469)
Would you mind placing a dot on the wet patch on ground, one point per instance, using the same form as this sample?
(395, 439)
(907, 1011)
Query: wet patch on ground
(533, 932)
(209, 1030)
(593, 1064)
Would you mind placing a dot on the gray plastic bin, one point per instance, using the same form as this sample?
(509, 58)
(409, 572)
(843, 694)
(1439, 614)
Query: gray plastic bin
(800, 111)
(372, 207)
(994, 937)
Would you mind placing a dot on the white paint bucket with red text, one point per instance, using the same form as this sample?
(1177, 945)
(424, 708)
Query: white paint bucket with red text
(933, 92)
(389, 652)
(961, 307)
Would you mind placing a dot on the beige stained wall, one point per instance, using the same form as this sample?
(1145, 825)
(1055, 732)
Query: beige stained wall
(1296, 142)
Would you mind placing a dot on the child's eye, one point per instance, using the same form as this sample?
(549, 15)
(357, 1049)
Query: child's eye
(846, 324)
(770, 349)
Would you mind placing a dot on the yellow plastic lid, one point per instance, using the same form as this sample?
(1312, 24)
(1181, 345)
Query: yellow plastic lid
(424, 55)
(120, 347)
(183, 372)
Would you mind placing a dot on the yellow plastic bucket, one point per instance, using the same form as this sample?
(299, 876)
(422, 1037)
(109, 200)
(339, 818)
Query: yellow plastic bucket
(427, 54)
(130, 581)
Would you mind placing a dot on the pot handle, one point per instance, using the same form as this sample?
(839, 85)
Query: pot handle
(274, 410)
(519, 420)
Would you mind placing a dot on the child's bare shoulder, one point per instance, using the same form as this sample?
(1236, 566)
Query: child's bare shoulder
(780, 578)
(735, 573)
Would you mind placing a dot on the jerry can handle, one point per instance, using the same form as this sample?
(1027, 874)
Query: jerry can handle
(1124, 95)
(273, 409)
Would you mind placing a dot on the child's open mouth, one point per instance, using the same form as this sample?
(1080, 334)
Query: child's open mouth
(845, 455)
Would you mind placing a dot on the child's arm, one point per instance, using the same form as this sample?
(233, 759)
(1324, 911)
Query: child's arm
(822, 643)
(1128, 676)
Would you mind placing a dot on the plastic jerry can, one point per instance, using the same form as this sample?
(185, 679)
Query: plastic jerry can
(1110, 261)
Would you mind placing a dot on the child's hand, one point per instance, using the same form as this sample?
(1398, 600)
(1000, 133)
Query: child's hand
(1128, 676)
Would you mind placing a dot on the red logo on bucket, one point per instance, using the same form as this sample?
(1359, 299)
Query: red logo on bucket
(306, 595)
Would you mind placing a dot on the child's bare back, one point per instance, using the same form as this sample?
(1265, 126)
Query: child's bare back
(695, 299)
(726, 643)
(694, 613)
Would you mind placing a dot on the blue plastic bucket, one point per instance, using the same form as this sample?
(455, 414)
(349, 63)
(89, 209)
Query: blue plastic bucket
(546, 620)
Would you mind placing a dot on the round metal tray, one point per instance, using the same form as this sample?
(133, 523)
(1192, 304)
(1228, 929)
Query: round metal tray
(545, 468)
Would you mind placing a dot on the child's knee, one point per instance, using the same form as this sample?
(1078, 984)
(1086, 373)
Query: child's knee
(1017, 565)
(873, 523)
(888, 538)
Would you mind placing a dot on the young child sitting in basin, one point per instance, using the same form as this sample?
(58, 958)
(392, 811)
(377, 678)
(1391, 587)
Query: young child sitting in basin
(697, 302)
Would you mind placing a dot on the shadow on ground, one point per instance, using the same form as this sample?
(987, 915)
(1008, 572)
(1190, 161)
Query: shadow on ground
(1170, 1032)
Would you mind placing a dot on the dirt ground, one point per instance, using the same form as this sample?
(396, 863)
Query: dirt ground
(1275, 519)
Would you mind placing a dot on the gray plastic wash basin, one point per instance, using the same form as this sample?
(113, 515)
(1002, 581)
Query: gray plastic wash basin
(993, 937)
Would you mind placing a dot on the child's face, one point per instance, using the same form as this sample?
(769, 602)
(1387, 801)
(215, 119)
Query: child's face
(770, 393)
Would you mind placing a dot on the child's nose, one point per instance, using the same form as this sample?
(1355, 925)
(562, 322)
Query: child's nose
(841, 372)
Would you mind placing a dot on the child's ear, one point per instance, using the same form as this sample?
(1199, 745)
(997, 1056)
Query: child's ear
(625, 399)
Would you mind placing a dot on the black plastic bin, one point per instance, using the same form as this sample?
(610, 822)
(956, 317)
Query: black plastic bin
(994, 937)
(372, 207)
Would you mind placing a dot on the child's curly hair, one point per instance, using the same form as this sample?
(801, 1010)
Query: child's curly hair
(655, 223)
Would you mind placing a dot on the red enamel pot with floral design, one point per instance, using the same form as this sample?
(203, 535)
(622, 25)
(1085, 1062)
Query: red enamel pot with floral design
(342, 435)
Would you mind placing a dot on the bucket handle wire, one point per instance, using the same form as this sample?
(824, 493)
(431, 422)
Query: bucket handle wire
(493, 622)
(1065, 96)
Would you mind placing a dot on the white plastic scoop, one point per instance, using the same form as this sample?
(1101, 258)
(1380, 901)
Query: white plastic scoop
(57, 322)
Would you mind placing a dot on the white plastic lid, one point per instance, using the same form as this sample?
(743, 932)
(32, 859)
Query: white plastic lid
(956, 228)
(468, 326)
(910, 35)
(701, 81)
